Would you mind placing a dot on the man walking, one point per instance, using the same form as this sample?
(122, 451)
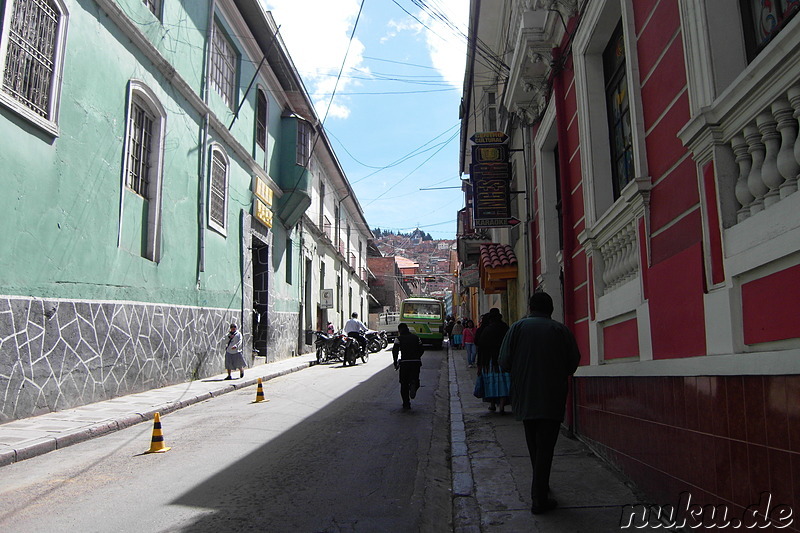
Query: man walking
(541, 354)
(409, 348)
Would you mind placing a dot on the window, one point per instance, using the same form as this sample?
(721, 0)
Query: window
(140, 147)
(261, 119)
(763, 20)
(289, 261)
(303, 143)
(619, 120)
(153, 5)
(491, 111)
(223, 66)
(31, 53)
(321, 204)
(218, 191)
(142, 171)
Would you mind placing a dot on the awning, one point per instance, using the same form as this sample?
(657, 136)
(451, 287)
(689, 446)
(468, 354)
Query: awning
(498, 264)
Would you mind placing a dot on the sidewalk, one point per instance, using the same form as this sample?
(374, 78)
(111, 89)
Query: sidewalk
(29, 437)
(492, 473)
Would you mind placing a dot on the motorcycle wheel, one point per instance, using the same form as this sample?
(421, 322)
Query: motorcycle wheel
(350, 354)
(320, 355)
(365, 358)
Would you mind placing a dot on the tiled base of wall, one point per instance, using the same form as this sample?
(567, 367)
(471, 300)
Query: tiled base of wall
(57, 354)
(724, 439)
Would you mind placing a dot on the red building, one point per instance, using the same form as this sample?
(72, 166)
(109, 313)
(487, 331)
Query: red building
(655, 150)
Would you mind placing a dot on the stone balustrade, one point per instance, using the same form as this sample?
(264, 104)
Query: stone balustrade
(767, 152)
(620, 257)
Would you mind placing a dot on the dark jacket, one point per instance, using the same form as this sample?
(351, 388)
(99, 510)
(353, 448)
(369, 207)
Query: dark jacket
(408, 347)
(541, 354)
(488, 339)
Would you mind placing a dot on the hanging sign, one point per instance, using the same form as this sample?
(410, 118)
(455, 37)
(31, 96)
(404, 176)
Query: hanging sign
(491, 195)
(326, 299)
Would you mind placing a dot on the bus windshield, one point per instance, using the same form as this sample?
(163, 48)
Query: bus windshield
(431, 311)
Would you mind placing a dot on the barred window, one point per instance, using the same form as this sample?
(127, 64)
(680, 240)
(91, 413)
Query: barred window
(223, 66)
(218, 194)
(153, 5)
(261, 119)
(303, 143)
(140, 149)
(32, 54)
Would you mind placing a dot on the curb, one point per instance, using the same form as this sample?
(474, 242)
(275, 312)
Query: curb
(466, 513)
(68, 438)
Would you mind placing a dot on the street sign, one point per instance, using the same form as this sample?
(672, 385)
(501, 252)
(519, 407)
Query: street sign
(489, 137)
(326, 299)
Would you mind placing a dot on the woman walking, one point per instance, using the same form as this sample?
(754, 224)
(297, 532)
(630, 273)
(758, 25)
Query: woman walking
(469, 342)
(234, 358)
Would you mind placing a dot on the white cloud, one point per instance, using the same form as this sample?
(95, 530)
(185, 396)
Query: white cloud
(447, 49)
(317, 33)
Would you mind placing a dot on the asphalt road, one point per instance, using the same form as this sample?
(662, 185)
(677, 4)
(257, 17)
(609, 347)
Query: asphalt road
(331, 451)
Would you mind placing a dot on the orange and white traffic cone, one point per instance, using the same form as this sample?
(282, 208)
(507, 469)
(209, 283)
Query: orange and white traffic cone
(260, 393)
(157, 442)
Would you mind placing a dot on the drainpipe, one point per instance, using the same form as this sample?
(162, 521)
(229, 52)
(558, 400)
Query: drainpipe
(203, 151)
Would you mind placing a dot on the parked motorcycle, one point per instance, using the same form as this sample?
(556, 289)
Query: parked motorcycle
(374, 343)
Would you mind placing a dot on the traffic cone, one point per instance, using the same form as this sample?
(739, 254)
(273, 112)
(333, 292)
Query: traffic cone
(157, 442)
(260, 393)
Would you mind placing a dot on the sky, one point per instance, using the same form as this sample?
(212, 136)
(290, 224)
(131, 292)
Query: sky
(393, 119)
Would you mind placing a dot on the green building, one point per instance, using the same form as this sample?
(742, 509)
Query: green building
(154, 173)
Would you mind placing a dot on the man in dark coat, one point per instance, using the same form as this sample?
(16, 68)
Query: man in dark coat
(541, 354)
(409, 349)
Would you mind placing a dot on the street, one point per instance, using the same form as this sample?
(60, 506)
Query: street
(331, 451)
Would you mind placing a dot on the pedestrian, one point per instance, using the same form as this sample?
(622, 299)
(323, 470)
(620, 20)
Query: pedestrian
(541, 354)
(488, 339)
(234, 358)
(448, 328)
(409, 349)
(458, 329)
(330, 328)
(469, 342)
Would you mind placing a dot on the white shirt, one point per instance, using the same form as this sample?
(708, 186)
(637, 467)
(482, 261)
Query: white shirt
(354, 324)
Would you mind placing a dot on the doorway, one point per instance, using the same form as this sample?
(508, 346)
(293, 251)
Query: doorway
(260, 298)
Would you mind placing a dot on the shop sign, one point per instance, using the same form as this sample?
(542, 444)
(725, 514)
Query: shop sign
(470, 276)
(262, 212)
(262, 190)
(491, 195)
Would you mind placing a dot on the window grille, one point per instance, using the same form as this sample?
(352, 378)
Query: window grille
(31, 54)
(153, 5)
(619, 120)
(223, 66)
(218, 193)
(303, 143)
(261, 119)
(140, 146)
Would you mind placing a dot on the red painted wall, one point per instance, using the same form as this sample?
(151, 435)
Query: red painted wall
(621, 340)
(677, 316)
(771, 307)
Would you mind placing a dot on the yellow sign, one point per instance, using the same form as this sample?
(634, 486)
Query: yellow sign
(262, 212)
(262, 190)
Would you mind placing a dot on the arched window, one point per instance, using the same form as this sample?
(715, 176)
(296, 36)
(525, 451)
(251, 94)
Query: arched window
(218, 190)
(143, 167)
(32, 38)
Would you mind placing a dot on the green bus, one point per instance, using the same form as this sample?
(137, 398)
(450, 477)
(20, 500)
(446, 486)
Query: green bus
(425, 317)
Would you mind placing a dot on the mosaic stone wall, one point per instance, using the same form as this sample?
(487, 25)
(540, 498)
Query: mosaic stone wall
(57, 354)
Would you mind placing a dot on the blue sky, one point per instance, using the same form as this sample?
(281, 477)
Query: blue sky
(393, 120)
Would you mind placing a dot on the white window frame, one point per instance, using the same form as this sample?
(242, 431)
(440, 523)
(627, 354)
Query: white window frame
(49, 123)
(140, 94)
(218, 226)
(597, 25)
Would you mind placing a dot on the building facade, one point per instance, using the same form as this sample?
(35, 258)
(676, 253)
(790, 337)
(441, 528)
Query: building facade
(658, 160)
(155, 188)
